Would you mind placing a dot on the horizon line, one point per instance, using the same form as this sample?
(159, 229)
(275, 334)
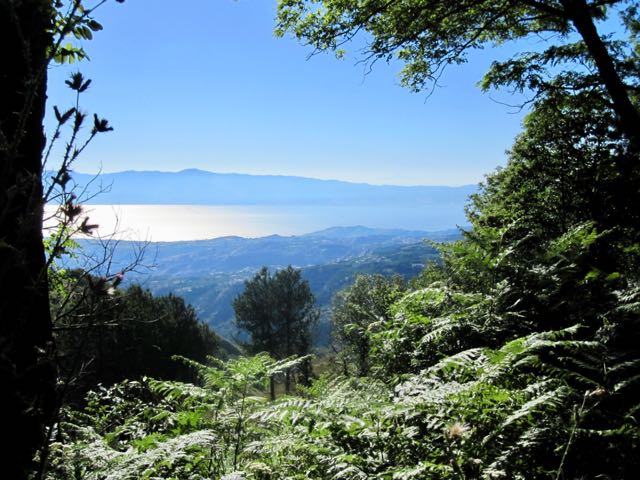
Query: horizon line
(277, 175)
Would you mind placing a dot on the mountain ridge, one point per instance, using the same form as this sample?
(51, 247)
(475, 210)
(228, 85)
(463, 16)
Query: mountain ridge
(199, 187)
(231, 254)
(208, 274)
(199, 171)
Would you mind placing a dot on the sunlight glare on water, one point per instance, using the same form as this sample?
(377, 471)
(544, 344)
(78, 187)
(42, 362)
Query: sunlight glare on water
(168, 223)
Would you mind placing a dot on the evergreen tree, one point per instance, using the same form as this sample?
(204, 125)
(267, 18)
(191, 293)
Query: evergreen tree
(278, 312)
(105, 336)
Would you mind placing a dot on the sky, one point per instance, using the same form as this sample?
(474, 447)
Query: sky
(206, 84)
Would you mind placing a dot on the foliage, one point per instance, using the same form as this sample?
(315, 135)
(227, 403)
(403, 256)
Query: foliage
(428, 35)
(481, 413)
(358, 307)
(278, 312)
(105, 335)
(160, 429)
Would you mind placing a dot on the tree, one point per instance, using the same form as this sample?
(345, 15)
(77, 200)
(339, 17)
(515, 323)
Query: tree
(26, 372)
(278, 312)
(431, 34)
(32, 32)
(107, 335)
(355, 309)
(552, 258)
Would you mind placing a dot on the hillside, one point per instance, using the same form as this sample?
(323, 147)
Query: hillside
(210, 273)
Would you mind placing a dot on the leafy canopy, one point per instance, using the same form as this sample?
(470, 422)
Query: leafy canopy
(278, 312)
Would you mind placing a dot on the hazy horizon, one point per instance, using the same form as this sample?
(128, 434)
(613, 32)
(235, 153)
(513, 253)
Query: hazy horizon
(170, 223)
(278, 175)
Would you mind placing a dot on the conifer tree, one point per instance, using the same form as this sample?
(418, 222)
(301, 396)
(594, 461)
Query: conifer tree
(278, 313)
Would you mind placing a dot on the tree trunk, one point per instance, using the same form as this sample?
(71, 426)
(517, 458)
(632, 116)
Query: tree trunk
(306, 370)
(363, 362)
(272, 388)
(628, 115)
(287, 381)
(26, 368)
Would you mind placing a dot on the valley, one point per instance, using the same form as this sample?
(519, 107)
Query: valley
(209, 274)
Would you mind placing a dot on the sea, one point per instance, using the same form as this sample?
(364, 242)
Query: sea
(170, 223)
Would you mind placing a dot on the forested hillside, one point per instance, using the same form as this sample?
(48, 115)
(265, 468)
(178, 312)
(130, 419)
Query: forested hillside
(208, 274)
(515, 356)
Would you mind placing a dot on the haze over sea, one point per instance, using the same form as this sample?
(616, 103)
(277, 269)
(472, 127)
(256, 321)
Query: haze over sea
(167, 223)
(198, 205)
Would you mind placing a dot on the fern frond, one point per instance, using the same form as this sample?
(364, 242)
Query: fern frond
(472, 359)
(548, 402)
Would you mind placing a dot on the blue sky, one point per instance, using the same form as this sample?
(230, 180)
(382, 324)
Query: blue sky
(205, 84)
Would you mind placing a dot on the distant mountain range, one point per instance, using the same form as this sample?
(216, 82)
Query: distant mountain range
(197, 187)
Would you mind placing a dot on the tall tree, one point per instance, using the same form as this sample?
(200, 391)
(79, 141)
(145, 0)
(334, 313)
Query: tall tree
(278, 312)
(26, 372)
(106, 335)
(32, 32)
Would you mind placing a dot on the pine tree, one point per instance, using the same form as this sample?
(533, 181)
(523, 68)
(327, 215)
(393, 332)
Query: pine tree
(278, 312)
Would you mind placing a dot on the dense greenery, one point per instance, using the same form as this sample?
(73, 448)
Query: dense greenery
(356, 309)
(105, 335)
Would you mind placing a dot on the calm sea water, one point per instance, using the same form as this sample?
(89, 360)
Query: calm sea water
(198, 222)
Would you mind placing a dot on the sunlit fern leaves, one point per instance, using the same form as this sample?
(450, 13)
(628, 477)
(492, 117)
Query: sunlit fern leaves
(426, 326)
